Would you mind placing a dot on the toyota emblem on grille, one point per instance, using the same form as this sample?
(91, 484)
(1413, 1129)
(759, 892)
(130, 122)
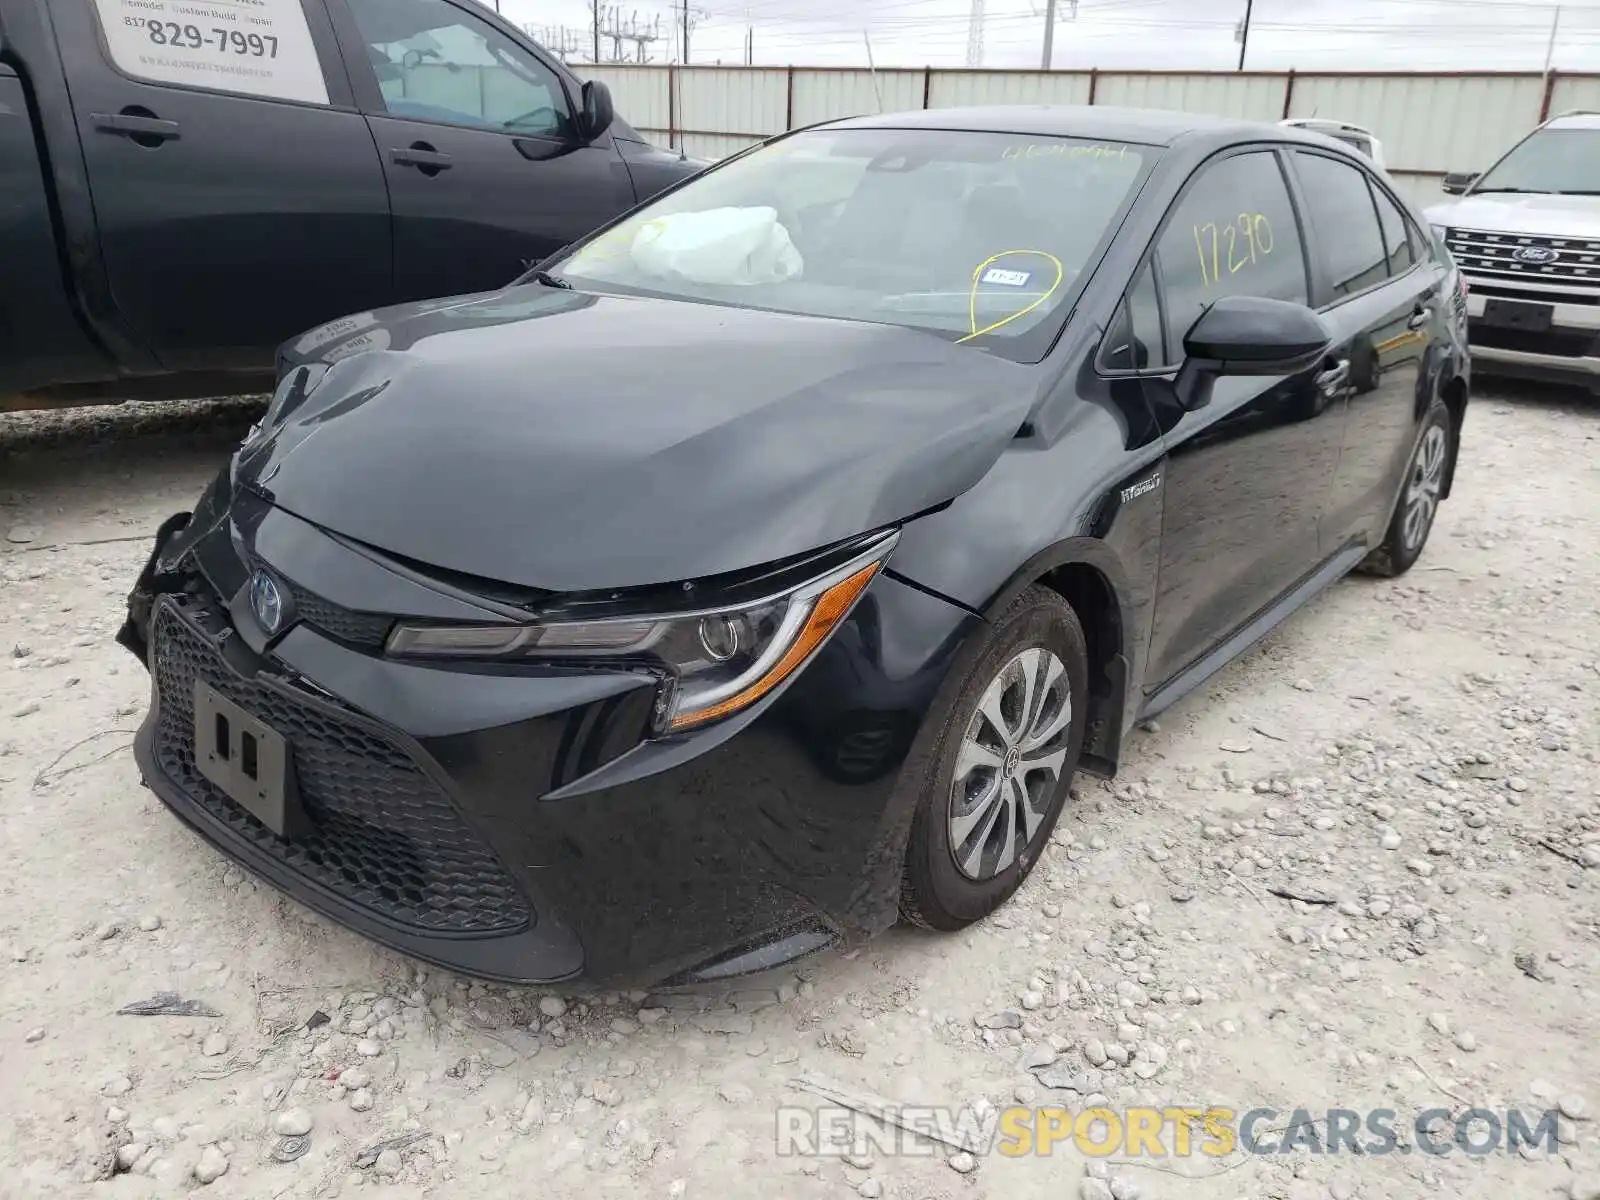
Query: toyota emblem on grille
(1536, 254)
(266, 601)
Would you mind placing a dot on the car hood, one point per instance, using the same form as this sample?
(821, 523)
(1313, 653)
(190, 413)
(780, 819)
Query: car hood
(568, 441)
(1507, 212)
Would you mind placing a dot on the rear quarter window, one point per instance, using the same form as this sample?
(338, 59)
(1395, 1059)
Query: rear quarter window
(257, 48)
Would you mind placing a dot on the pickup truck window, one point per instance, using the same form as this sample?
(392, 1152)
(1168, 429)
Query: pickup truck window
(262, 50)
(437, 62)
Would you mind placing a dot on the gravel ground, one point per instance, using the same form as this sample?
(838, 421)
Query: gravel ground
(1359, 871)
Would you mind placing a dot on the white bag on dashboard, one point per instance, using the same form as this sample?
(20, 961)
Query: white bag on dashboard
(719, 246)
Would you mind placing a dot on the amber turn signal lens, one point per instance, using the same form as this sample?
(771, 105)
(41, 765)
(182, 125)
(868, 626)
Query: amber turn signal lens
(829, 609)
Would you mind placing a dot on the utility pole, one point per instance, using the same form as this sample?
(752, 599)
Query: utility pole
(1049, 33)
(975, 34)
(1244, 31)
(686, 32)
(1550, 50)
(872, 68)
(594, 8)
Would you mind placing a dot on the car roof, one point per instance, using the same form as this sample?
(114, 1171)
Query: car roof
(1576, 120)
(1150, 126)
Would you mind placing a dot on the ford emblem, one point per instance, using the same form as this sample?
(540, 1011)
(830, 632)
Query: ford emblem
(1538, 255)
(266, 601)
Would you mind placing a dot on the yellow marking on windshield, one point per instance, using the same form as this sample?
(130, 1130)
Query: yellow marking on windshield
(977, 280)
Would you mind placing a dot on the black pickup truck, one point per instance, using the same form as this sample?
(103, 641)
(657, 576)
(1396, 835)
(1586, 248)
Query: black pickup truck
(184, 184)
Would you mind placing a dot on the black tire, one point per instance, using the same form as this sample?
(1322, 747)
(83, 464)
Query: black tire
(935, 893)
(1396, 554)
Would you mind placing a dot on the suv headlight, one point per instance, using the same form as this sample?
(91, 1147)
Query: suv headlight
(722, 660)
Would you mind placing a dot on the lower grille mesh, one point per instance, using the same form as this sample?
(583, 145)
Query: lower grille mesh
(383, 835)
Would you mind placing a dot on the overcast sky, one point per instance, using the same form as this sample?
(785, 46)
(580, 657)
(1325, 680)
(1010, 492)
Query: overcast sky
(1353, 34)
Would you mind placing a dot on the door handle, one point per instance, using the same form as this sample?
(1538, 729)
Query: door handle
(422, 156)
(1420, 318)
(1335, 377)
(142, 127)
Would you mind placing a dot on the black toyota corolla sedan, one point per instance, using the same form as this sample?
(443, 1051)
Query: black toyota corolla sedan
(760, 570)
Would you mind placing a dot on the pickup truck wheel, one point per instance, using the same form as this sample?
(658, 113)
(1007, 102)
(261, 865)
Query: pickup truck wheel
(1418, 504)
(1007, 752)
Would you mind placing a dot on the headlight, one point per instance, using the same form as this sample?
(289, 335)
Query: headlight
(1441, 234)
(722, 660)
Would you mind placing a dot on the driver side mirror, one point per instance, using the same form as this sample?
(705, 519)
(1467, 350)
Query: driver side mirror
(1457, 182)
(598, 112)
(1248, 335)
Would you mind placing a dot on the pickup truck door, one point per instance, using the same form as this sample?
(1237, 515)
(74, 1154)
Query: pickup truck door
(478, 136)
(237, 193)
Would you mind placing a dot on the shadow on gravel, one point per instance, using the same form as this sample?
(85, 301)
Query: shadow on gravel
(107, 428)
(1550, 397)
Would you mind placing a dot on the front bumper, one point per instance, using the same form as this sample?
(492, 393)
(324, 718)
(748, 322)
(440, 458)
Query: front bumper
(1568, 352)
(515, 825)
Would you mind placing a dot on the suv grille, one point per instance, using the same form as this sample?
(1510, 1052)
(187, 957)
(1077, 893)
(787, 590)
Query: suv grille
(384, 837)
(1486, 255)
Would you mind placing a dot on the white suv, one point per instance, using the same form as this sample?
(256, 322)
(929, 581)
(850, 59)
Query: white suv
(1341, 131)
(1526, 234)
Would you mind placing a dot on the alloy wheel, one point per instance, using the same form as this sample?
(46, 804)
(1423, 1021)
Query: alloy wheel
(1422, 492)
(1010, 763)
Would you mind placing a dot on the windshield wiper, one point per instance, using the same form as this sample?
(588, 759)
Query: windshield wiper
(1519, 191)
(550, 280)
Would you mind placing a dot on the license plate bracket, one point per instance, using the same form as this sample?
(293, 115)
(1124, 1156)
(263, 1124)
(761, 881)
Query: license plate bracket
(247, 760)
(1517, 314)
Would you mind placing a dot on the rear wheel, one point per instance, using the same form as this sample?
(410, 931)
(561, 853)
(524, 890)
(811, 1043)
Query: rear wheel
(1419, 500)
(1007, 754)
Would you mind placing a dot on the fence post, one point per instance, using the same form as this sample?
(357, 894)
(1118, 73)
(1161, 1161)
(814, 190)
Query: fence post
(1549, 95)
(1288, 94)
(672, 106)
(1094, 82)
(788, 103)
(927, 85)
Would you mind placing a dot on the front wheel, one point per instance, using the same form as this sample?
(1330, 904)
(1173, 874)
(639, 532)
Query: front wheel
(1419, 500)
(1007, 753)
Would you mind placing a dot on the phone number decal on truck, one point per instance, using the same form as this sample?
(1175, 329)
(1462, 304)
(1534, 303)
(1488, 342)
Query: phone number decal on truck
(256, 47)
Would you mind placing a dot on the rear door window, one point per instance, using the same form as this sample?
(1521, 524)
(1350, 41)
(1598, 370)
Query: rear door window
(261, 48)
(1396, 240)
(1340, 206)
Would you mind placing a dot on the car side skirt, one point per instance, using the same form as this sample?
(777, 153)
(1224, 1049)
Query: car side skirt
(1248, 634)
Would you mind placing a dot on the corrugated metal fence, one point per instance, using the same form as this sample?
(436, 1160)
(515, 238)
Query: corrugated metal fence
(1428, 123)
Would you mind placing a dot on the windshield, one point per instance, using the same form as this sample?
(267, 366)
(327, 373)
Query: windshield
(979, 237)
(1565, 161)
